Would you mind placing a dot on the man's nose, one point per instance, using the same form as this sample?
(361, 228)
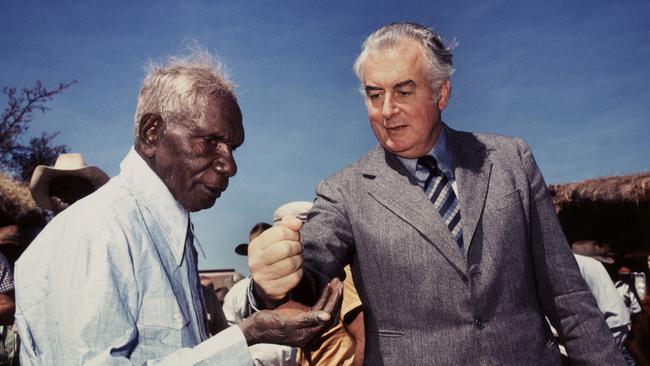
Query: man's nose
(389, 108)
(226, 164)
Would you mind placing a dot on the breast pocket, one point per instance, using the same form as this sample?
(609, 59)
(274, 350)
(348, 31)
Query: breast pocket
(507, 200)
(162, 321)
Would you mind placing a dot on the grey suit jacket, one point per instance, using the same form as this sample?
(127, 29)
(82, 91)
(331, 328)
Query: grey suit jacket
(427, 304)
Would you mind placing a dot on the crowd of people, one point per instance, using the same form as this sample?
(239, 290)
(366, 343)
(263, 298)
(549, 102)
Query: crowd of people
(437, 247)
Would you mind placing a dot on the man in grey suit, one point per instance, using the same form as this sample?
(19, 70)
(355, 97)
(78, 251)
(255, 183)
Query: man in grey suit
(453, 240)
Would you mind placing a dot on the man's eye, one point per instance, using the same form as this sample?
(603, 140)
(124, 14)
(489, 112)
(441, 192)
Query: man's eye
(374, 96)
(404, 93)
(213, 140)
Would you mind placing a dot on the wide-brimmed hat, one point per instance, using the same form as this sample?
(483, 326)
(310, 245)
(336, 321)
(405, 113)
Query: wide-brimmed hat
(593, 249)
(71, 164)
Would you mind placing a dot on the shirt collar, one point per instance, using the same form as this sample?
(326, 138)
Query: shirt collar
(440, 151)
(154, 194)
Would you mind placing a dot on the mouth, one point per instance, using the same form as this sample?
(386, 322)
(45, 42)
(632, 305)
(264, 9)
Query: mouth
(396, 129)
(214, 191)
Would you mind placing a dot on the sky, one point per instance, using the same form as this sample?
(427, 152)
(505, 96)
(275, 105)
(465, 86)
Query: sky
(570, 77)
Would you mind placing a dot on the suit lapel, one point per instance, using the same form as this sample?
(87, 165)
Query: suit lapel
(389, 183)
(472, 173)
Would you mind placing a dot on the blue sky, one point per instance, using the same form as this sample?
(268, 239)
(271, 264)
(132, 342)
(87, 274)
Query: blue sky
(570, 77)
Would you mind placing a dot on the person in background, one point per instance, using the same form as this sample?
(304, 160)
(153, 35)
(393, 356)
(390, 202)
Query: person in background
(344, 343)
(20, 220)
(610, 303)
(638, 343)
(113, 279)
(69, 180)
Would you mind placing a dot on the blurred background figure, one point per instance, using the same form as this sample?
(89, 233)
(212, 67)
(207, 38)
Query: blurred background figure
(638, 342)
(610, 303)
(20, 221)
(69, 180)
(235, 310)
(216, 319)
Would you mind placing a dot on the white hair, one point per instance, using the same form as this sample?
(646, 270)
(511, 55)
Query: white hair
(438, 55)
(178, 88)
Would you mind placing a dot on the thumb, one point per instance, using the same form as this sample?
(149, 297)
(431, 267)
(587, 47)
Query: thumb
(291, 222)
(312, 319)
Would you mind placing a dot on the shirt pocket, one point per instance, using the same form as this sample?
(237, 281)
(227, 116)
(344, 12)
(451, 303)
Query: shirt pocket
(162, 321)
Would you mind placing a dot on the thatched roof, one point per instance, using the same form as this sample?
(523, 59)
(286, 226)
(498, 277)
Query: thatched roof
(613, 210)
(633, 188)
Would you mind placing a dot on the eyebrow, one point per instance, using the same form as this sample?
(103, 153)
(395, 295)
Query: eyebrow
(404, 83)
(401, 84)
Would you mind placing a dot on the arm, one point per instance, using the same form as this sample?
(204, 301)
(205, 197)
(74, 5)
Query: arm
(7, 308)
(356, 330)
(90, 311)
(565, 297)
(352, 316)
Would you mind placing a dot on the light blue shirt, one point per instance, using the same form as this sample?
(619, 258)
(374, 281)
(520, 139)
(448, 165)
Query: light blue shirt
(441, 151)
(113, 280)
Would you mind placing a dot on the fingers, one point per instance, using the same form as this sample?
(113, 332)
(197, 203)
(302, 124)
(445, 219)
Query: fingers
(291, 222)
(311, 319)
(277, 289)
(280, 251)
(275, 258)
(324, 296)
(336, 296)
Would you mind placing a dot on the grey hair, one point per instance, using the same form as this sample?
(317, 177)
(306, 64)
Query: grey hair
(438, 54)
(178, 88)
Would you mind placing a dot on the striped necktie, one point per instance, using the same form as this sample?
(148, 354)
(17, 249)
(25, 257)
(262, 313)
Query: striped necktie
(438, 188)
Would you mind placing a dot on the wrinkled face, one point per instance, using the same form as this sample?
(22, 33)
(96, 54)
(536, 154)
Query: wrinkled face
(403, 109)
(194, 158)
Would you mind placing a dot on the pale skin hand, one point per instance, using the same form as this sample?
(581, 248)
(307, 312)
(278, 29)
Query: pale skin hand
(275, 259)
(294, 325)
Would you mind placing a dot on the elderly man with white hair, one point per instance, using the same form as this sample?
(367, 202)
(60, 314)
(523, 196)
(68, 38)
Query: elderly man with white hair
(113, 279)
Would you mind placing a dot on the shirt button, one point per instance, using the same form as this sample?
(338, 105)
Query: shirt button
(178, 318)
(479, 324)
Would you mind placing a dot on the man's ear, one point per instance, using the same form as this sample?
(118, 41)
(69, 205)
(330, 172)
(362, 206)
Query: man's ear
(150, 131)
(443, 94)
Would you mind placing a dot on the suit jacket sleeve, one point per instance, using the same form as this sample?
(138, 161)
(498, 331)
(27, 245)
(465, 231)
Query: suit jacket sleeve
(565, 297)
(328, 241)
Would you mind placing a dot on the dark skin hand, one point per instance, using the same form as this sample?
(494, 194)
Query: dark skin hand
(293, 324)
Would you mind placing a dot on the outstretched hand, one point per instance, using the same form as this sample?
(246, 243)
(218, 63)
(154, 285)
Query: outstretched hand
(294, 324)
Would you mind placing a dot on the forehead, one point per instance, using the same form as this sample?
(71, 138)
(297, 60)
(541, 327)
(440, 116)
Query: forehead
(220, 113)
(394, 64)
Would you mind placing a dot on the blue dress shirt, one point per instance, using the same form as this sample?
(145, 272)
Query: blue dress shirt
(113, 280)
(441, 151)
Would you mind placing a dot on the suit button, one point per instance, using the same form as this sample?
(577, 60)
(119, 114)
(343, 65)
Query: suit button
(479, 324)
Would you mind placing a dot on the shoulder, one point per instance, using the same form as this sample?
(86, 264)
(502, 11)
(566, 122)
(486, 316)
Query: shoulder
(493, 143)
(101, 218)
(371, 161)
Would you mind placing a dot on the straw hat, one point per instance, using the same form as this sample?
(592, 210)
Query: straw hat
(72, 164)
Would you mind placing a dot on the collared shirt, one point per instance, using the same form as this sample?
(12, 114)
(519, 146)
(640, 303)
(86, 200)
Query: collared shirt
(441, 151)
(111, 281)
(610, 303)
